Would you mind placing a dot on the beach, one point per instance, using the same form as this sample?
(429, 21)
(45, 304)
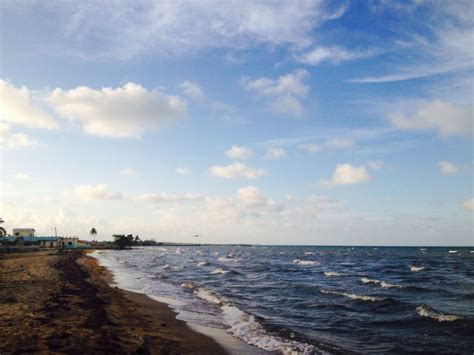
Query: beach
(65, 304)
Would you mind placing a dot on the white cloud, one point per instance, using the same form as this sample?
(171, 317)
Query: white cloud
(376, 164)
(96, 192)
(192, 90)
(284, 94)
(446, 118)
(128, 172)
(346, 174)
(236, 170)
(88, 30)
(469, 204)
(12, 140)
(333, 55)
(310, 148)
(275, 153)
(182, 170)
(238, 152)
(126, 111)
(340, 143)
(447, 168)
(22, 106)
(22, 176)
(168, 198)
(447, 49)
(251, 197)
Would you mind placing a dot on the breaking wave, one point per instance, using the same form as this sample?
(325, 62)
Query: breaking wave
(428, 312)
(305, 262)
(333, 274)
(220, 271)
(414, 268)
(382, 284)
(353, 296)
(245, 327)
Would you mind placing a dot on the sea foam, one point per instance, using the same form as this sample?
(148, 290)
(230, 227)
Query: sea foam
(333, 274)
(353, 296)
(220, 271)
(382, 284)
(414, 268)
(245, 327)
(305, 262)
(428, 312)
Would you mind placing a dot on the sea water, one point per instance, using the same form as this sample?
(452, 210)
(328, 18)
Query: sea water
(313, 299)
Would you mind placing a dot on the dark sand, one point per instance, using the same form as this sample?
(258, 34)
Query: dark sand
(63, 304)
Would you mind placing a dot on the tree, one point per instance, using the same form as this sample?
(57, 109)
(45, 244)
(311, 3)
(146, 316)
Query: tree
(93, 233)
(123, 241)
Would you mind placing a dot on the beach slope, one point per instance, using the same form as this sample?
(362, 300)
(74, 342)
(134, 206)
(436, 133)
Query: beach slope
(63, 304)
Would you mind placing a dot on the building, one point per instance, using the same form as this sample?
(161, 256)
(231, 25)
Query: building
(30, 242)
(75, 243)
(23, 232)
(25, 238)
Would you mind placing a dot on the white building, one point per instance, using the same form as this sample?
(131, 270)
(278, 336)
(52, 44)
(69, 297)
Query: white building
(23, 232)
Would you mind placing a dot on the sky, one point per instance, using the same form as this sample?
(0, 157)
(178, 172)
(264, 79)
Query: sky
(270, 122)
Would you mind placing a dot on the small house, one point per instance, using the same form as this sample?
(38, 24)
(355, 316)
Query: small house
(23, 232)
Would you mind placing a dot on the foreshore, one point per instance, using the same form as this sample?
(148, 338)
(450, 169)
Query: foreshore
(54, 303)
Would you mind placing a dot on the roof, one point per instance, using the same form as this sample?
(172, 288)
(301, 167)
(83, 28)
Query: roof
(31, 239)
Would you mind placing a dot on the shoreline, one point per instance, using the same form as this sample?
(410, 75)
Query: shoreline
(65, 303)
(230, 344)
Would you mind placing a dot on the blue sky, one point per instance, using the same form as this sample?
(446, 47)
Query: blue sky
(283, 122)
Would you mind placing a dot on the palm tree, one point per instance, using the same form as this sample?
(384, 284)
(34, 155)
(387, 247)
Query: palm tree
(93, 233)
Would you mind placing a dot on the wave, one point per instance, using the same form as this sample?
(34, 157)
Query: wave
(227, 260)
(382, 284)
(428, 312)
(354, 296)
(333, 274)
(220, 271)
(165, 267)
(305, 262)
(309, 253)
(187, 285)
(208, 296)
(452, 252)
(414, 268)
(203, 263)
(245, 327)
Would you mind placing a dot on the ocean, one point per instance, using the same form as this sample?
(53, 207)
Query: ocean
(307, 299)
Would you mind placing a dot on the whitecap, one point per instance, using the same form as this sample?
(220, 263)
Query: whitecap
(220, 271)
(309, 253)
(208, 296)
(187, 285)
(453, 252)
(333, 274)
(224, 259)
(305, 262)
(382, 284)
(245, 327)
(164, 267)
(414, 268)
(354, 296)
(427, 312)
(203, 263)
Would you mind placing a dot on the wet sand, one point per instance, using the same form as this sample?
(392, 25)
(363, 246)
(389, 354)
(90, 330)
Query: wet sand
(64, 304)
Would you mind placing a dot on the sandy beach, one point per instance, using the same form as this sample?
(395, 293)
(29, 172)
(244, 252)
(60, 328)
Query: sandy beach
(63, 304)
